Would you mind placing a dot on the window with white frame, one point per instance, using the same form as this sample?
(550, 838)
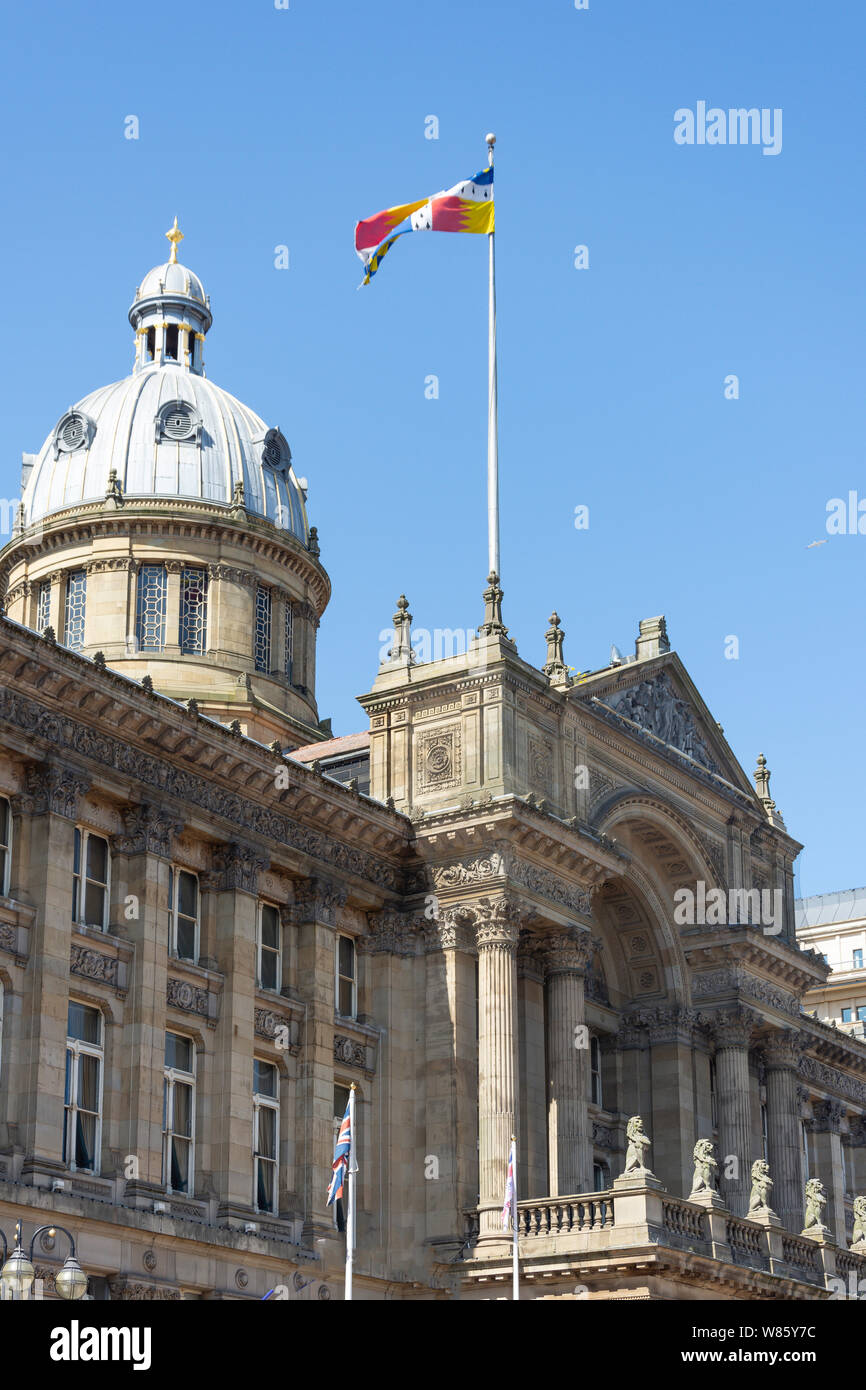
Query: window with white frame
(5, 845)
(183, 913)
(2, 1002)
(262, 634)
(178, 1114)
(91, 865)
(858, 959)
(347, 989)
(269, 965)
(74, 609)
(82, 1112)
(595, 1070)
(266, 1135)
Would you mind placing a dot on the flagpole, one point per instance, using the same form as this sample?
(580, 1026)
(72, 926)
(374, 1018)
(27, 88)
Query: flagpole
(353, 1168)
(515, 1265)
(492, 401)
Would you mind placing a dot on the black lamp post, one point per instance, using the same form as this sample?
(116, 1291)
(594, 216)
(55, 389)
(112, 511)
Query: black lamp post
(17, 1273)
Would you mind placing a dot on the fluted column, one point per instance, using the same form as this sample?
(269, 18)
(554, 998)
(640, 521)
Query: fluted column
(733, 1033)
(496, 936)
(781, 1057)
(568, 953)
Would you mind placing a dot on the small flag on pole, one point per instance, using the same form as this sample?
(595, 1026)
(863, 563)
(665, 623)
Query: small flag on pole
(509, 1212)
(467, 207)
(342, 1149)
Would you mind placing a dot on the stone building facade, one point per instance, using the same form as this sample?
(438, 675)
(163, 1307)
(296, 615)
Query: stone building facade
(562, 904)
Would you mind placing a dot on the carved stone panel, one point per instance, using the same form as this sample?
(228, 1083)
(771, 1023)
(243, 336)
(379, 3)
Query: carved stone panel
(438, 754)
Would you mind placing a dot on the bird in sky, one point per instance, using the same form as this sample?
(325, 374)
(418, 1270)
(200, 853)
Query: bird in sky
(812, 543)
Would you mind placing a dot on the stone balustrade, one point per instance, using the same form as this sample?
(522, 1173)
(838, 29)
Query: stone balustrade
(631, 1218)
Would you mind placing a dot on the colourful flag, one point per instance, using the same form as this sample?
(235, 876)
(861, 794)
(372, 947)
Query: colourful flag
(342, 1149)
(509, 1210)
(467, 207)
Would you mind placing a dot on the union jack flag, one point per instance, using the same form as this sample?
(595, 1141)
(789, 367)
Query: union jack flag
(509, 1212)
(342, 1150)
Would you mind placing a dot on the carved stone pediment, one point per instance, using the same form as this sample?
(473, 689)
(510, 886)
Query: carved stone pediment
(655, 705)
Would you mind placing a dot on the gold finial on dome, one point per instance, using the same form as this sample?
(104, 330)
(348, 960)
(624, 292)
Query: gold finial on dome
(175, 236)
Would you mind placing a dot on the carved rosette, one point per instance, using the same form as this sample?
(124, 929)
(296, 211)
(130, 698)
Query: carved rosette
(236, 867)
(51, 788)
(317, 900)
(497, 923)
(566, 952)
(147, 830)
(783, 1050)
(732, 1028)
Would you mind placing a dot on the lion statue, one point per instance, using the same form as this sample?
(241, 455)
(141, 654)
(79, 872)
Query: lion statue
(638, 1143)
(859, 1234)
(704, 1179)
(759, 1197)
(816, 1201)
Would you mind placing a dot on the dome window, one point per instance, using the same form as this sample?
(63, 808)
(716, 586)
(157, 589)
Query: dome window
(75, 431)
(276, 453)
(178, 421)
(171, 342)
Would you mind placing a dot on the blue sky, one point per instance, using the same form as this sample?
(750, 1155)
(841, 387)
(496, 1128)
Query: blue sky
(262, 127)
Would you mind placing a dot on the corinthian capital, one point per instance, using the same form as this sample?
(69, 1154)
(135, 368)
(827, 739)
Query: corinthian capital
(51, 787)
(391, 933)
(317, 899)
(497, 922)
(567, 952)
(236, 866)
(147, 830)
(733, 1027)
(783, 1050)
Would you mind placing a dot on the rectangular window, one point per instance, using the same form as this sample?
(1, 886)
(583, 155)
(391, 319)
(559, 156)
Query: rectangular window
(82, 1113)
(178, 1114)
(90, 868)
(43, 605)
(858, 960)
(262, 649)
(183, 924)
(266, 1135)
(150, 608)
(269, 947)
(5, 845)
(714, 1108)
(765, 1134)
(76, 601)
(193, 611)
(346, 994)
(595, 1070)
(847, 1016)
(290, 640)
(600, 1181)
(861, 1013)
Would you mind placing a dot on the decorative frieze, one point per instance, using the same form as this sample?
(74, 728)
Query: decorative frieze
(277, 1028)
(94, 965)
(727, 978)
(190, 787)
(833, 1080)
(192, 999)
(349, 1052)
(126, 1290)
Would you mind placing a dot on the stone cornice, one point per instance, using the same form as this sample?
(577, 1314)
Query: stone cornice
(205, 765)
(168, 518)
(710, 948)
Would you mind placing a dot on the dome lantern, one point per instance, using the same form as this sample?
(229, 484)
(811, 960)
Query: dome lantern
(170, 314)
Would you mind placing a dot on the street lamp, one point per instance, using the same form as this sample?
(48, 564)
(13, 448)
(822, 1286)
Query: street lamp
(17, 1274)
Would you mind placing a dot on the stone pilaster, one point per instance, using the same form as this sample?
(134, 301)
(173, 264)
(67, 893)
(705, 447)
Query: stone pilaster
(140, 863)
(44, 822)
(733, 1031)
(314, 914)
(570, 1157)
(826, 1126)
(782, 1053)
(234, 881)
(496, 936)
